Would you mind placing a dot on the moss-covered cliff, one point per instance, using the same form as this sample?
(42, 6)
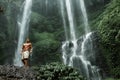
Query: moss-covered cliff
(109, 29)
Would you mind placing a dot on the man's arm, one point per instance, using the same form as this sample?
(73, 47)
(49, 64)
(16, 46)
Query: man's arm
(30, 47)
(22, 49)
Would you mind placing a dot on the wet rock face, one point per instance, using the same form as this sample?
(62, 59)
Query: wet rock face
(10, 72)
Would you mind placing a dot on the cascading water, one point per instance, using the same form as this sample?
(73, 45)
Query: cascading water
(75, 53)
(23, 30)
(62, 7)
(92, 72)
(46, 3)
(85, 19)
(72, 31)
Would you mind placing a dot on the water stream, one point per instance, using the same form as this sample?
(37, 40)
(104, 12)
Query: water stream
(23, 26)
(77, 49)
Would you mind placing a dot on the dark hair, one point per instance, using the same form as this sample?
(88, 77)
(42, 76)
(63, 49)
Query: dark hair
(28, 40)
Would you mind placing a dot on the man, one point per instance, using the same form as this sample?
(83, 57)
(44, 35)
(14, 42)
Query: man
(26, 50)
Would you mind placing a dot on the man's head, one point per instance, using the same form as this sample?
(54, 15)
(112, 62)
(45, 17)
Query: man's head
(27, 40)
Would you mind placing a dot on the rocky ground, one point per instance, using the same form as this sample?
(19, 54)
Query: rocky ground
(52, 71)
(10, 72)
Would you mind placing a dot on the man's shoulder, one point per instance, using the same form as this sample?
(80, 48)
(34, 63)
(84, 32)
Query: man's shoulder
(27, 43)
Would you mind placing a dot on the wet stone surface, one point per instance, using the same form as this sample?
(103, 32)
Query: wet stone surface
(10, 72)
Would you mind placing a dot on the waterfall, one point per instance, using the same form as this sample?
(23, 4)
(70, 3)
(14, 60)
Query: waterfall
(77, 52)
(90, 69)
(23, 25)
(71, 21)
(72, 31)
(84, 13)
(46, 3)
(62, 9)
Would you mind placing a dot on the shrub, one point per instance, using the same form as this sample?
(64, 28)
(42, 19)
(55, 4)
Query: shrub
(57, 71)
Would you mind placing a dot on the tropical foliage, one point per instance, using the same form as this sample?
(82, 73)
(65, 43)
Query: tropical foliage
(57, 71)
